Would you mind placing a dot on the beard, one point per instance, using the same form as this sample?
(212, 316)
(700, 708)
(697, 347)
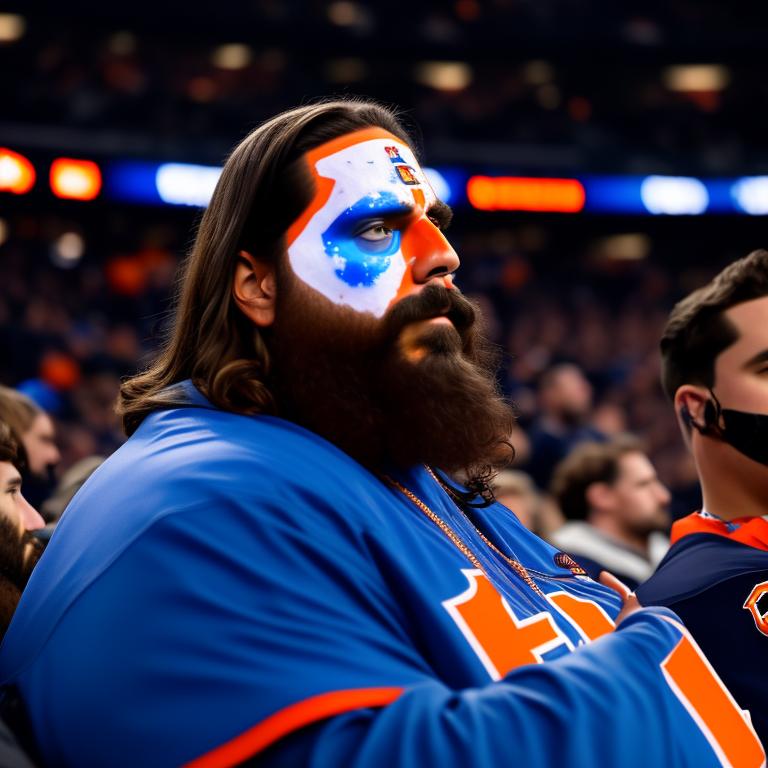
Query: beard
(394, 391)
(19, 553)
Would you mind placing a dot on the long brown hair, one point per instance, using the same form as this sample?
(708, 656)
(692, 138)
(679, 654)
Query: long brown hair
(260, 193)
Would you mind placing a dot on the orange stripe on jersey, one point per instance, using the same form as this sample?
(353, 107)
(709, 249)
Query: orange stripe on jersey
(752, 531)
(291, 719)
(711, 705)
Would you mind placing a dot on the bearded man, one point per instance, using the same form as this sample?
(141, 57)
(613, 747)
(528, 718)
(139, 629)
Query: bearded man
(277, 568)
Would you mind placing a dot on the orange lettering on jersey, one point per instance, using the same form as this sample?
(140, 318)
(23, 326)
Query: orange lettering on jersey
(501, 640)
(710, 704)
(757, 605)
(588, 618)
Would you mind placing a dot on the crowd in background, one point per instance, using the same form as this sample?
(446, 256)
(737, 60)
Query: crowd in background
(545, 84)
(578, 336)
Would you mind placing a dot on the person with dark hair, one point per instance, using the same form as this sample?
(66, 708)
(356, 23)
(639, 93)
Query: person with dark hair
(714, 353)
(562, 422)
(616, 509)
(277, 566)
(19, 549)
(35, 434)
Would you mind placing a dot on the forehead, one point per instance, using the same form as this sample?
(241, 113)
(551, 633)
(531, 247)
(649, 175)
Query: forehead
(635, 465)
(362, 164)
(750, 319)
(8, 473)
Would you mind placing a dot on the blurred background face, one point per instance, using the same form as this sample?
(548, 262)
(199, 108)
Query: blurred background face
(40, 444)
(13, 506)
(567, 394)
(637, 498)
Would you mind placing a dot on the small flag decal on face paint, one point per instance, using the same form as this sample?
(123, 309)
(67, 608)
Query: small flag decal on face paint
(393, 153)
(407, 174)
(566, 561)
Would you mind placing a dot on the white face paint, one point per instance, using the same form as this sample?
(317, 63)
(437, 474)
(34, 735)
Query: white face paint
(345, 245)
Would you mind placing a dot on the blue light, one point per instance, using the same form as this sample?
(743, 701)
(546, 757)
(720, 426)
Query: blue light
(186, 184)
(613, 194)
(439, 184)
(750, 195)
(132, 182)
(674, 195)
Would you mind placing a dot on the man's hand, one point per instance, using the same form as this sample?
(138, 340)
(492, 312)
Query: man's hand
(629, 599)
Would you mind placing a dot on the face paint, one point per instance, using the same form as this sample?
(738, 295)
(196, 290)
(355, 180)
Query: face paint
(347, 244)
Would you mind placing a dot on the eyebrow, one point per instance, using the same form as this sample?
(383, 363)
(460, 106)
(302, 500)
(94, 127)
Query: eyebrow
(14, 482)
(758, 359)
(441, 212)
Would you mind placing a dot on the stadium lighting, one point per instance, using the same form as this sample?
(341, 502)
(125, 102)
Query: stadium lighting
(439, 184)
(674, 195)
(232, 56)
(750, 194)
(12, 27)
(185, 184)
(692, 78)
(75, 179)
(67, 250)
(444, 75)
(17, 174)
(512, 193)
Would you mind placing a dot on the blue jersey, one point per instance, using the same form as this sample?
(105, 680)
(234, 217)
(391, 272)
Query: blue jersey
(715, 577)
(226, 586)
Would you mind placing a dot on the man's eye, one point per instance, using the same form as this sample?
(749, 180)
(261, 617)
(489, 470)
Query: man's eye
(376, 234)
(378, 239)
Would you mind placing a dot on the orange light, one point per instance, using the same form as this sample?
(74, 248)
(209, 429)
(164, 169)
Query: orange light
(75, 179)
(17, 174)
(515, 193)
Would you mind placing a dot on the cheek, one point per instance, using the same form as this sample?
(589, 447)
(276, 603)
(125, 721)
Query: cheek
(743, 392)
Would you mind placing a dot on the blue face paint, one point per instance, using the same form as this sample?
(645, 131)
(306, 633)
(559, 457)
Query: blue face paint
(359, 261)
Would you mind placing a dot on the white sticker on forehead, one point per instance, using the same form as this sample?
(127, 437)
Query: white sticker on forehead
(372, 179)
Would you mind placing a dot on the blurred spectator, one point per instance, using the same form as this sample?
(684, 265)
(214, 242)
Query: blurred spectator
(565, 405)
(516, 491)
(34, 430)
(19, 549)
(68, 486)
(616, 507)
(19, 553)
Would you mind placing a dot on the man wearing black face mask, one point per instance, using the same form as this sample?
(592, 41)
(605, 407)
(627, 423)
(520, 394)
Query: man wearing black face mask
(715, 576)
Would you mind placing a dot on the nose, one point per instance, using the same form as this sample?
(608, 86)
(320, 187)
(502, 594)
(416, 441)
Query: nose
(31, 518)
(427, 250)
(663, 495)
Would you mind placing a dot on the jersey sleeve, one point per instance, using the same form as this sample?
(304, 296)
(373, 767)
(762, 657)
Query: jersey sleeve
(626, 699)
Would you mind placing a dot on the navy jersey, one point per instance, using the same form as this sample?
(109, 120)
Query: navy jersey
(715, 577)
(227, 588)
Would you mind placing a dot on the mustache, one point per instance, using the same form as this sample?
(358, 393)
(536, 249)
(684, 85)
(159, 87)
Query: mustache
(432, 301)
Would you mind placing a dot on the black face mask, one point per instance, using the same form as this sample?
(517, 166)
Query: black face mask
(746, 432)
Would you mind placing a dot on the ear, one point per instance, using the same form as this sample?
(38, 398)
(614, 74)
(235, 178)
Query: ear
(254, 289)
(690, 402)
